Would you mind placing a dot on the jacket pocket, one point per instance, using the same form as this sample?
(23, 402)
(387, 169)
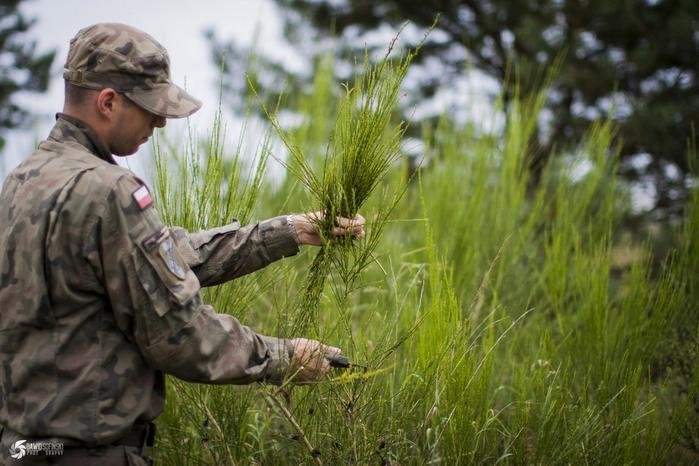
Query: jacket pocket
(164, 273)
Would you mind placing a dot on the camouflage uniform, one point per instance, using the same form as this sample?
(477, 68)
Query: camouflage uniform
(99, 298)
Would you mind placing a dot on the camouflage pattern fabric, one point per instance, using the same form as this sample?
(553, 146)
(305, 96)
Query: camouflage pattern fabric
(131, 62)
(99, 298)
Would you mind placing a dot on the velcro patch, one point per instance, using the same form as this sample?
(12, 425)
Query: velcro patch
(142, 197)
(169, 255)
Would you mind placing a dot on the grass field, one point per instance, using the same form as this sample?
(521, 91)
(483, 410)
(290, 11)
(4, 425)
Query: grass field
(498, 320)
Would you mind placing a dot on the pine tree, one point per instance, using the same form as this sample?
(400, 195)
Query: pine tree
(22, 67)
(633, 61)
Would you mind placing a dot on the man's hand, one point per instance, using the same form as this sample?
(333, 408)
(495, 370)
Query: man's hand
(306, 226)
(308, 362)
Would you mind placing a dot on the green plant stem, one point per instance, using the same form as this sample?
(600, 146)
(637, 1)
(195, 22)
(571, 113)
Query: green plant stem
(273, 402)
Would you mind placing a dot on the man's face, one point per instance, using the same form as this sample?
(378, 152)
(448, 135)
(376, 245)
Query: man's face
(133, 126)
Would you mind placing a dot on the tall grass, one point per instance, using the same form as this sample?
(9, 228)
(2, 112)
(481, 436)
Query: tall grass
(496, 322)
(363, 147)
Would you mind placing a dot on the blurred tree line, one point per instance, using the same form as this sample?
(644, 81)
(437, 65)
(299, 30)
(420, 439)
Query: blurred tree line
(22, 67)
(634, 61)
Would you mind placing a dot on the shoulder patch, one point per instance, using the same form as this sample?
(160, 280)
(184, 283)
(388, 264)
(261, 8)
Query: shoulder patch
(142, 197)
(167, 252)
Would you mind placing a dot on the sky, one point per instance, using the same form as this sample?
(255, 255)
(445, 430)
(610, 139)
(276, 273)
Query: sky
(178, 25)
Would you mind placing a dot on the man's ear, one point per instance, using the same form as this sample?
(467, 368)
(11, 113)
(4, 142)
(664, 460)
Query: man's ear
(107, 102)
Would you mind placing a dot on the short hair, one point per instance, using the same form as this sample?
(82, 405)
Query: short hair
(76, 96)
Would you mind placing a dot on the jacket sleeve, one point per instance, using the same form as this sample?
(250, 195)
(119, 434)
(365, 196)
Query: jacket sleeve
(156, 302)
(224, 253)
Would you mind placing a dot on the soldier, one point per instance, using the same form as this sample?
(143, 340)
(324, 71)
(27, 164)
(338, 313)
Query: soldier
(98, 298)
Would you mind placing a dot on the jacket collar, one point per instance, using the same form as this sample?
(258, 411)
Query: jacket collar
(71, 129)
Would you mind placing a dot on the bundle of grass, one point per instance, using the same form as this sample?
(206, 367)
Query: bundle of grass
(365, 145)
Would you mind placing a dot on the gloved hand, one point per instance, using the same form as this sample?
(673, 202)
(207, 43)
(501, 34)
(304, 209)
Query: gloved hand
(306, 226)
(308, 361)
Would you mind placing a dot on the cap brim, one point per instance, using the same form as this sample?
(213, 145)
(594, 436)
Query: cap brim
(166, 100)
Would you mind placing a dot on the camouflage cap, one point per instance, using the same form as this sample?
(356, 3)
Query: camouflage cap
(131, 62)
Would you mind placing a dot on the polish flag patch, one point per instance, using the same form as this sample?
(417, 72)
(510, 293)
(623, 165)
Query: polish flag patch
(142, 197)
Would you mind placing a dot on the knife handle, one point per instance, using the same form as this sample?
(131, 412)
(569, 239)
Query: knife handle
(338, 361)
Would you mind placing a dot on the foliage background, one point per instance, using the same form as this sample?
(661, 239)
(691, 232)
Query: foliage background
(499, 323)
(633, 62)
(22, 66)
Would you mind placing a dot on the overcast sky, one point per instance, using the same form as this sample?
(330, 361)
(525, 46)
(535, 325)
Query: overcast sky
(178, 25)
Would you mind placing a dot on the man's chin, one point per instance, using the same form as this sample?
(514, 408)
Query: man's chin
(126, 152)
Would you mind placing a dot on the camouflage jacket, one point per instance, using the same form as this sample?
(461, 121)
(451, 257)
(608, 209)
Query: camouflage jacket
(98, 298)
